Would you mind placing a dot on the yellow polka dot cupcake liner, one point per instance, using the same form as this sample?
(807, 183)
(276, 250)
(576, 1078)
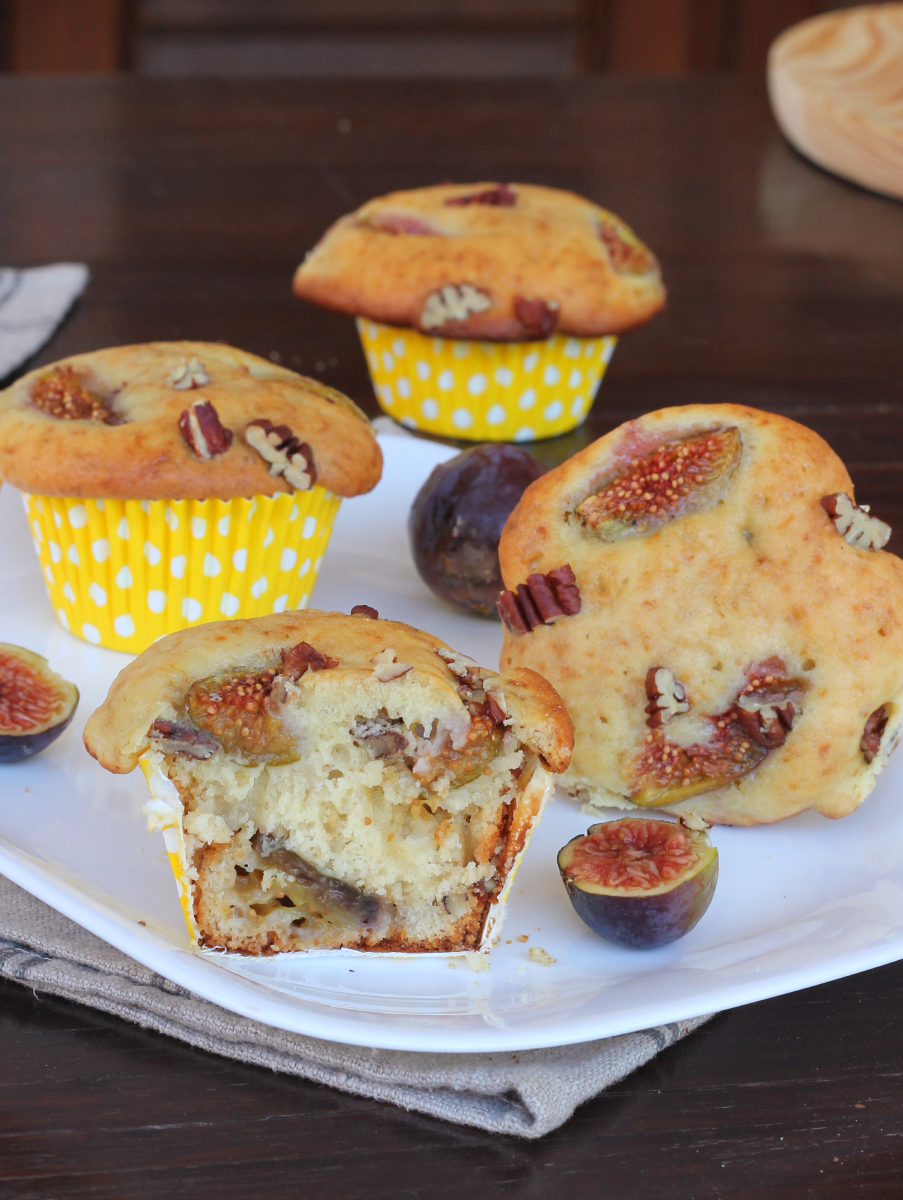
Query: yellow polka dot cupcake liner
(121, 573)
(484, 391)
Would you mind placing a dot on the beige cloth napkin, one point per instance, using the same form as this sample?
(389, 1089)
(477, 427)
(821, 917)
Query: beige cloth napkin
(527, 1094)
(32, 304)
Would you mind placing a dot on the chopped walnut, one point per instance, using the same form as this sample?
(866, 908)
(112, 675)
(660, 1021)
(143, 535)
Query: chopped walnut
(188, 375)
(386, 667)
(667, 697)
(63, 395)
(502, 196)
(542, 600)
(454, 302)
(201, 428)
(854, 522)
(286, 454)
(875, 726)
(539, 318)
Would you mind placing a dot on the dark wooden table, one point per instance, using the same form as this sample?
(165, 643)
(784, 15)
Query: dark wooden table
(192, 203)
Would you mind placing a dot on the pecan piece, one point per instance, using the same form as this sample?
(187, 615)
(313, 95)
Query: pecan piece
(502, 196)
(384, 737)
(364, 610)
(766, 724)
(286, 454)
(202, 429)
(667, 697)
(188, 375)
(453, 303)
(626, 256)
(542, 600)
(386, 666)
(63, 395)
(873, 733)
(854, 523)
(297, 660)
(539, 318)
(183, 739)
(466, 669)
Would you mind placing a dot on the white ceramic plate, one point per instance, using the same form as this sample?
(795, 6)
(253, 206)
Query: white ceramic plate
(797, 903)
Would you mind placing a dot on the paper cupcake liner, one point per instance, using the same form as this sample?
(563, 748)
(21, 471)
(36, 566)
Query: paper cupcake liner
(484, 391)
(121, 573)
(165, 812)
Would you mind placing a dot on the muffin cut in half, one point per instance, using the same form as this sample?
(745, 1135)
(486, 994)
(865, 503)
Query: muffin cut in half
(330, 781)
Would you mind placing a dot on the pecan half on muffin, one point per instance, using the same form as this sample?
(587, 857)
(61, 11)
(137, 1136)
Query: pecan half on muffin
(435, 274)
(332, 781)
(738, 645)
(174, 482)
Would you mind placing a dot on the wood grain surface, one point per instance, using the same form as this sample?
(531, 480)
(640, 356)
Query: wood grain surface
(836, 86)
(192, 203)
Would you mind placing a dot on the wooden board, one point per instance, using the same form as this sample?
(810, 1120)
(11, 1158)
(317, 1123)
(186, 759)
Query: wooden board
(836, 87)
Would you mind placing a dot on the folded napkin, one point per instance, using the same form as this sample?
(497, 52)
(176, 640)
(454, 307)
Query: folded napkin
(32, 304)
(528, 1093)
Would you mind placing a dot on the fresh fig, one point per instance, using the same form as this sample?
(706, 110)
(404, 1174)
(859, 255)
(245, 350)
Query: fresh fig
(641, 882)
(36, 704)
(457, 519)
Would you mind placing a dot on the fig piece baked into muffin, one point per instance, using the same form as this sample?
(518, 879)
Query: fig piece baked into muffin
(487, 311)
(176, 482)
(716, 612)
(331, 781)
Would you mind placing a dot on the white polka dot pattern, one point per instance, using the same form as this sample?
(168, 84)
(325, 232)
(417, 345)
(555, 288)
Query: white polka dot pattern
(480, 390)
(126, 572)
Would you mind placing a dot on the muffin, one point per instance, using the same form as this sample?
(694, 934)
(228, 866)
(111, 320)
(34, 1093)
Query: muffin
(179, 482)
(487, 311)
(327, 781)
(716, 612)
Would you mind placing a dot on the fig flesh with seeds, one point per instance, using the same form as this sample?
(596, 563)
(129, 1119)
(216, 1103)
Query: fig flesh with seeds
(36, 704)
(640, 882)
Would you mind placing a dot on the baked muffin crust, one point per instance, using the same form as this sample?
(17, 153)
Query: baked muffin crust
(113, 424)
(734, 639)
(508, 262)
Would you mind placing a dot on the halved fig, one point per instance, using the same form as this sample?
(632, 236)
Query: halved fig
(66, 396)
(641, 882)
(677, 479)
(36, 704)
(241, 712)
(741, 739)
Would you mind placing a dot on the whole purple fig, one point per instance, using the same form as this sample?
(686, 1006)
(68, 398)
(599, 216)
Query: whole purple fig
(457, 519)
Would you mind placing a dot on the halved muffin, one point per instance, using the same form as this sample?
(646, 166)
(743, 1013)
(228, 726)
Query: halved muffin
(335, 781)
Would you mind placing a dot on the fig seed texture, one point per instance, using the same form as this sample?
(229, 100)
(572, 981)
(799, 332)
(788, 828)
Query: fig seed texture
(640, 882)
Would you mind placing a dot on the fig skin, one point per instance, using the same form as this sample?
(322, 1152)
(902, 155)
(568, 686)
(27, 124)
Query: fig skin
(37, 736)
(644, 919)
(457, 518)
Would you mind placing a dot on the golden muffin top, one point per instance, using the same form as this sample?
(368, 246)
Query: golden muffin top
(510, 262)
(181, 421)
